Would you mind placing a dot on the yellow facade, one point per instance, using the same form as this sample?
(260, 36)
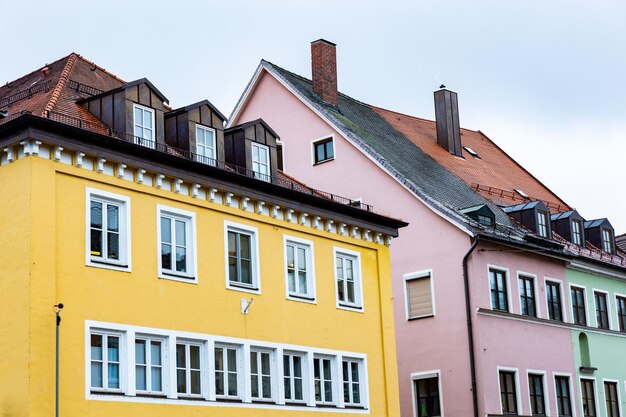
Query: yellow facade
(44, 262)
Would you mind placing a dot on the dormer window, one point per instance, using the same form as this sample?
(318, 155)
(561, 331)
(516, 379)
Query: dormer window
(542, 224)
(482, 214)
(144, 126)
(205, 145)
(577, 237)
(261, 161)
(485, 220)
(607, 241)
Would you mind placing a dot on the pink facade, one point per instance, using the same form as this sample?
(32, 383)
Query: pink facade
(430, 242)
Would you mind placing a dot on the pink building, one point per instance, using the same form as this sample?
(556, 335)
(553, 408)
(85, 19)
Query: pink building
(479, 279)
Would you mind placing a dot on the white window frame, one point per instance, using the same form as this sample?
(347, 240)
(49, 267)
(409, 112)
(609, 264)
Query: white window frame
(323, 139)
(518, 396)
(334, 380)
(123, 361)
(544, 382)
(267, 177)
(359, 363)
(202, 352)
(164, 363)
(595, 393)
(604, 232)
(310, 297)
(201, 156)
(572, 393)
(615, 296)
(413, 276)
(580, 232)
(520, 275)
(358, 305)
(415, 376)
(619, 396)
(543, 227)
(273, 380)
(607, 296)
(564, 317)
(306, 378)
(139, 141)
(255, 269)
(189, 217)
(241, 375)
(571, 304)
(507, 277)
(124, 263)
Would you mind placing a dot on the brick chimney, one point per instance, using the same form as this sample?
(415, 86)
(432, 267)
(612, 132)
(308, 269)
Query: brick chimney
(324, 70)
(447, 117)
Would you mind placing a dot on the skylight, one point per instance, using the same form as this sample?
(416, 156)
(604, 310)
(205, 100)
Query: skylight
(471, 151)
(522, 193)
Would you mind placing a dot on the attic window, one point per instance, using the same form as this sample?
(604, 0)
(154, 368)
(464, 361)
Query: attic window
(542, 224)
(323, 151)
(471, 152)
(577, 233)
(485, 220)
(3, 114)
(522, 193)
(607, 241)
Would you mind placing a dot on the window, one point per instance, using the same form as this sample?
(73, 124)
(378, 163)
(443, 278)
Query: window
(602, 315)
(323, 150)
(621, 313)
(537, 399)
(508, 394)
(105, 361)
(299, 269)
(176, 230)
(149, 365)
(527, 296)
(485, 220)
(261, 162)
(419, 298)
(108, 230)
(323, 380)
(188, 371)
(261, 375)
(241, 255)
(205, 145)
(563, 398)
(351, 382)
(607, 241)
(226, 371)
(144, 126)
(347, 276)
(578, 306)
(292, 377)
(553, 293)
(497, 280)
(542, 224)
(427, 402)
(587, 388)
(612, 399)
(577, 236)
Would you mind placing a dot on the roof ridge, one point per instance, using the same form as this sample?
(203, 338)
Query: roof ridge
(100, 68)
(65, 75)
(37, 70)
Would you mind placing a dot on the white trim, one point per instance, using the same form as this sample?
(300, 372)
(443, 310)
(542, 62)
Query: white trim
(417, 275)
(518, 397)
(252, 85)
(616, 296)
(359, 306)
(208, 160)
(546, 396)
(310, 258)
(266, 149)
(523, 274)
(255, 268)
(619, 396)
(282, 145)
(595, 393)
(415, 376)
(507, 278)
(191, 276)
(105, 331)
(325, 138)
(572, 393)
(207, 341)
(608, 307)
(571, 303)
(125, 263)
(564, 316)
(152, 113)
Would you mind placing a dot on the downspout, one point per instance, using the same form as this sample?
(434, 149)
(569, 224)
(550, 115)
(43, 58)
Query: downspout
(470, 332)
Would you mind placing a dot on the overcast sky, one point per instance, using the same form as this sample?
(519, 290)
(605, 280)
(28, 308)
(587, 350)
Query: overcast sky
(546, 80)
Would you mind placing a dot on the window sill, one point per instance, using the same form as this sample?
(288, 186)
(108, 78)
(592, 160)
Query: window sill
(228, 399)
(194, 397)
(324, 161)
(189, 279)
(105, 392)
(301, 298)
(243, 288)
(150, 395)
(356, 309)
(427, 316)
(296, 403)
(108, 265)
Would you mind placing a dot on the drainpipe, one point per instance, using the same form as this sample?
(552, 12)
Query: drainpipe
(470, 332)
(57, 310)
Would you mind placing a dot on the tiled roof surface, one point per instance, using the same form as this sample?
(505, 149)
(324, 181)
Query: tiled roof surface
(620, 241)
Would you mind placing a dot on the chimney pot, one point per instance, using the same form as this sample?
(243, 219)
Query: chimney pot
(447, 118)
(45, 71)
(324, 71)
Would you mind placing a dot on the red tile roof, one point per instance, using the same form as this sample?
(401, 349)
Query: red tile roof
(494, 174)
(620, 241)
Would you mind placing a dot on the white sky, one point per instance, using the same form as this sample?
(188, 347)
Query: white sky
(544, 79)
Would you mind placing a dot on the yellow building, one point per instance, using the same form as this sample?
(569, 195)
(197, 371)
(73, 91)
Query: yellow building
(196, 278)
